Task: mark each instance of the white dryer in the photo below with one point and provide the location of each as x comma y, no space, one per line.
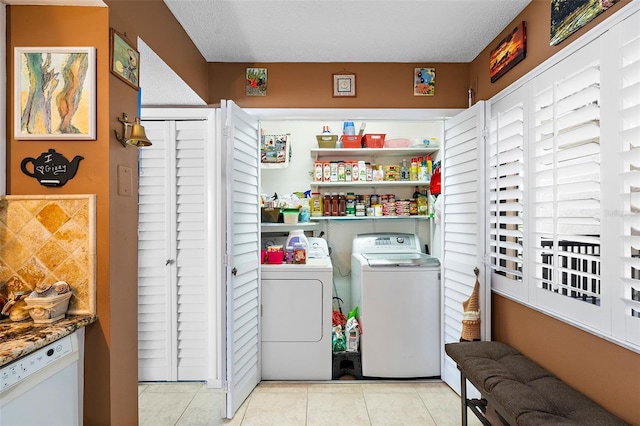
296,319
397,290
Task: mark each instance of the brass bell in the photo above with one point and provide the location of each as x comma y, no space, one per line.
137,138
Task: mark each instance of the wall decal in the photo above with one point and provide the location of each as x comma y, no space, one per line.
51,168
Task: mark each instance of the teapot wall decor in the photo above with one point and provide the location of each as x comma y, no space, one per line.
51,168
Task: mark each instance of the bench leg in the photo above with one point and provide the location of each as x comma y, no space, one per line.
477,406
463,398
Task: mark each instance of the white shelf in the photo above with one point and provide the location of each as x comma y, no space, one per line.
414,217
286,227
379,183
371,152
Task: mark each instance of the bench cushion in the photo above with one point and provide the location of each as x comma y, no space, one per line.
525,391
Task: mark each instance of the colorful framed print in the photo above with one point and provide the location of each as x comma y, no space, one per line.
124,59
424,81
256,82
510,51
344,85
568,16
55,93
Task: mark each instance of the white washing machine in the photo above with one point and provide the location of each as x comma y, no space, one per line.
397,290
296,318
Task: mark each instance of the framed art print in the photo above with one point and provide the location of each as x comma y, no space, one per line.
124,59
55,93
344,85
256,84
510,51
424,81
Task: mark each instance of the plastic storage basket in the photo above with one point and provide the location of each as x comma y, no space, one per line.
374,140
48,309
327,141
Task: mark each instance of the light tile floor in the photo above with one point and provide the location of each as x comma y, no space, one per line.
351,403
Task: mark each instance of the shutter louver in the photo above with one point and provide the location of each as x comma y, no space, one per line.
630,135
566,184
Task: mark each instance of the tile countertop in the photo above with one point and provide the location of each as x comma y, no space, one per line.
18,339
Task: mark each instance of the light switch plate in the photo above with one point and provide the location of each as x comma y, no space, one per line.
125,181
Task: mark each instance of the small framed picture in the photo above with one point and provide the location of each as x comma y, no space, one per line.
256,84
344,85
124,59
424,81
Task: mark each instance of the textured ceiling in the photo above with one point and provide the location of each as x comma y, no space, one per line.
345,30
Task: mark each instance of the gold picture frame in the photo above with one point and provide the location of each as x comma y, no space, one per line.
124,59
344,85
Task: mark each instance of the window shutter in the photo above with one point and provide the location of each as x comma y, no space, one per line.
565,177
630,160
505,186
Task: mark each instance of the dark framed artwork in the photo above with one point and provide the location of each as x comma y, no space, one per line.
344,85
568,16
124,59
510,51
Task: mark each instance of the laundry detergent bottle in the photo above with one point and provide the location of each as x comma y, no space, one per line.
297,236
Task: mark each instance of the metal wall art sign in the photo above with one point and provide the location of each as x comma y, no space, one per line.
51,168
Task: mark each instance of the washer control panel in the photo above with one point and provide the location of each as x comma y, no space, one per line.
24,367
386,243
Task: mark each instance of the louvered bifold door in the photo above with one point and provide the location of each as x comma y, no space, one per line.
565,185
190,252
172,299
505,186
629,163
242,275
156,283
463,226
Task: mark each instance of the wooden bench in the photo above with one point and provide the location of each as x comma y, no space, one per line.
520,391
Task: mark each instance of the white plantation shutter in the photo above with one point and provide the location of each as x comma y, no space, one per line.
565,184
629,93
172,301
506,193
462,226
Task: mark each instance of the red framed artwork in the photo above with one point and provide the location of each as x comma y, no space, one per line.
509,52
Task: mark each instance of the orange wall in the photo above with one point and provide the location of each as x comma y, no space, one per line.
606,372
111,343
154,23
310,85
537,16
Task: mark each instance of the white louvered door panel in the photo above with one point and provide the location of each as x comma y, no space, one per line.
156,308
242,217
173,296
190,250
628,324
505,180
463,227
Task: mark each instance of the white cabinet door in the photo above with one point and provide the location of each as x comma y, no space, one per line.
172,271
241,186
463,224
